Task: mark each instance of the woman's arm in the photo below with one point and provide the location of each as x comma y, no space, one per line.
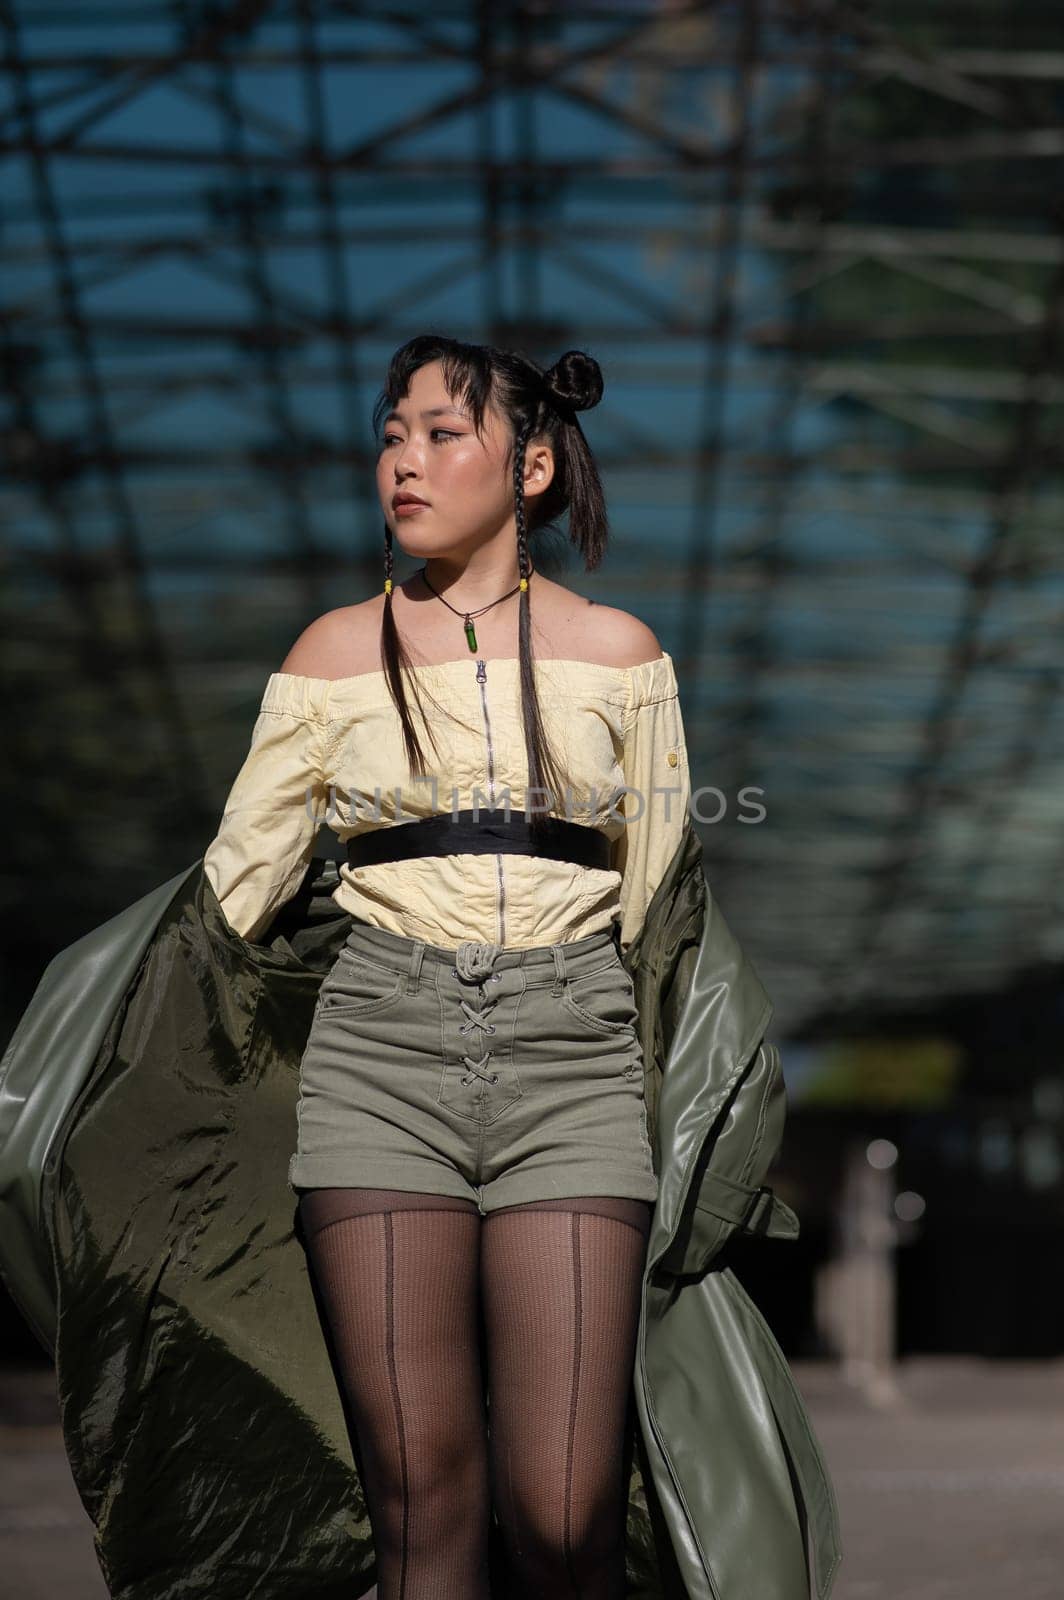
658,784
275,808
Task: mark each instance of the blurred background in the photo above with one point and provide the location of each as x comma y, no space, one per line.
818,250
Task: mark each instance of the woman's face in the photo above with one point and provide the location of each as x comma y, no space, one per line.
429,448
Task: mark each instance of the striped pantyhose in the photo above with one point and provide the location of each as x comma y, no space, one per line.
406,1282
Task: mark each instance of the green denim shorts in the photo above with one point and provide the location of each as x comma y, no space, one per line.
495,1075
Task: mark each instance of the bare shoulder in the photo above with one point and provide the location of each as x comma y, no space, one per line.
625,640
339,643
605,634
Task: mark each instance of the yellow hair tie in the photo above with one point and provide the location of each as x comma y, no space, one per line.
524,584
387,585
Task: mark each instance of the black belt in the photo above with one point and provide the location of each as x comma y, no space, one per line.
459,833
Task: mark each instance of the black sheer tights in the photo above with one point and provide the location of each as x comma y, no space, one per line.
402,1277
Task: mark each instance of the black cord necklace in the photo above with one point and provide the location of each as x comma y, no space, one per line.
467,616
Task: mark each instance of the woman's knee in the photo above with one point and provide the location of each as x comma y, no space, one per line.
567,1536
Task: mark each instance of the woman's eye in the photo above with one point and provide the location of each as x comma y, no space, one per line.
447,433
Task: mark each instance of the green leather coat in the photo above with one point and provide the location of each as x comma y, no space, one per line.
147,1232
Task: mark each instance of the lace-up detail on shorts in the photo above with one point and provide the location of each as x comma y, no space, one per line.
474,965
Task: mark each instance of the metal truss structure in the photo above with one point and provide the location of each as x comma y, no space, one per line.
818,251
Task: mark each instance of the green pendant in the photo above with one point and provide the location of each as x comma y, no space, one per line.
470,633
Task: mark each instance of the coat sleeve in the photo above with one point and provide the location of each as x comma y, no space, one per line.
657,794
275,808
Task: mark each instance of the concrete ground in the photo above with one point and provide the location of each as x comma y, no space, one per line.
950,1484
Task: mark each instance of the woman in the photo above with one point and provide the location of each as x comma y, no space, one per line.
471,1120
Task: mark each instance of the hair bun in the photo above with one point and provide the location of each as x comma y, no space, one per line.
574,383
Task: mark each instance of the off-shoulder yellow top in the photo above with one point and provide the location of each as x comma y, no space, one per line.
330,751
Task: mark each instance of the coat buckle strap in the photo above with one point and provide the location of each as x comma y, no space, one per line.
758,1215
757,1211
767,1215
724,1206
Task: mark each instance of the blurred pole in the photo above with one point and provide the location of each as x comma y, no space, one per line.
856,1297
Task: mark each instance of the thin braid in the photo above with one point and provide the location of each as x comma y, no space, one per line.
519,510
535,740
394,656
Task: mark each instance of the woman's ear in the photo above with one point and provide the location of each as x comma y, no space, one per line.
539,468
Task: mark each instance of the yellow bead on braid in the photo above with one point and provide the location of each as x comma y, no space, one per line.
387,585
524,584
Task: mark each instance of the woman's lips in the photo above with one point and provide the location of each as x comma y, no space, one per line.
406,508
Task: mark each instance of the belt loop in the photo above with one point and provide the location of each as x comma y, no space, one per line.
558,985
413,976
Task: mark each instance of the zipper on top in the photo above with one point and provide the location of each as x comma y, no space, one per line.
482,680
